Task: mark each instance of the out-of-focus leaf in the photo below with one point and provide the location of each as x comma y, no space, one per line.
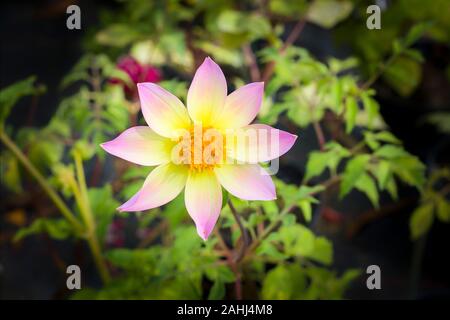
351,109
217,291
403,75
10,172
443,209
103,206
328,13
11,94
58,229
421,220
284,282
117,35
353,171
366,184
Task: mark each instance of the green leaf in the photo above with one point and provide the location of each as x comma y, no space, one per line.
221,273
391,187
284,282
305,206
328,13
58,229
410,170
421,220
323,251
366,184
382,173
391,152
317,163
268,249
103,206
386,136
217,291
353,171
441,120
117,35
351,109
10,95
10,172
416,32
414,54
442,209
403,75
371,107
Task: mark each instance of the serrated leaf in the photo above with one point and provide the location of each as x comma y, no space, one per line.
354,169
366,184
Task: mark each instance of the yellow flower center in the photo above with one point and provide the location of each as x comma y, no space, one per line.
200,148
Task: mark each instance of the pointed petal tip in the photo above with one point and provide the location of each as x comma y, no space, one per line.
204,234
106,145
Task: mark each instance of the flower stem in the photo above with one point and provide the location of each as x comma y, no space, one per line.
80,190
59,203
235,262
245,239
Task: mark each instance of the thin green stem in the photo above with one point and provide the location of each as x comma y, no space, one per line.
59,203
80,190
90,221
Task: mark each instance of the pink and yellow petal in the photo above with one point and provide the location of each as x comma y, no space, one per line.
162,185
140,145
203,199
163,111
258,143
207,93
246,181
241,106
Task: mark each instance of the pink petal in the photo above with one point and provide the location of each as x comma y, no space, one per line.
203,199
246,181
207,93
140,145
242,106
162,185
163,112
259,143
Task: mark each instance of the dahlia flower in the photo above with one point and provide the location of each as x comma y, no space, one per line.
202,148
